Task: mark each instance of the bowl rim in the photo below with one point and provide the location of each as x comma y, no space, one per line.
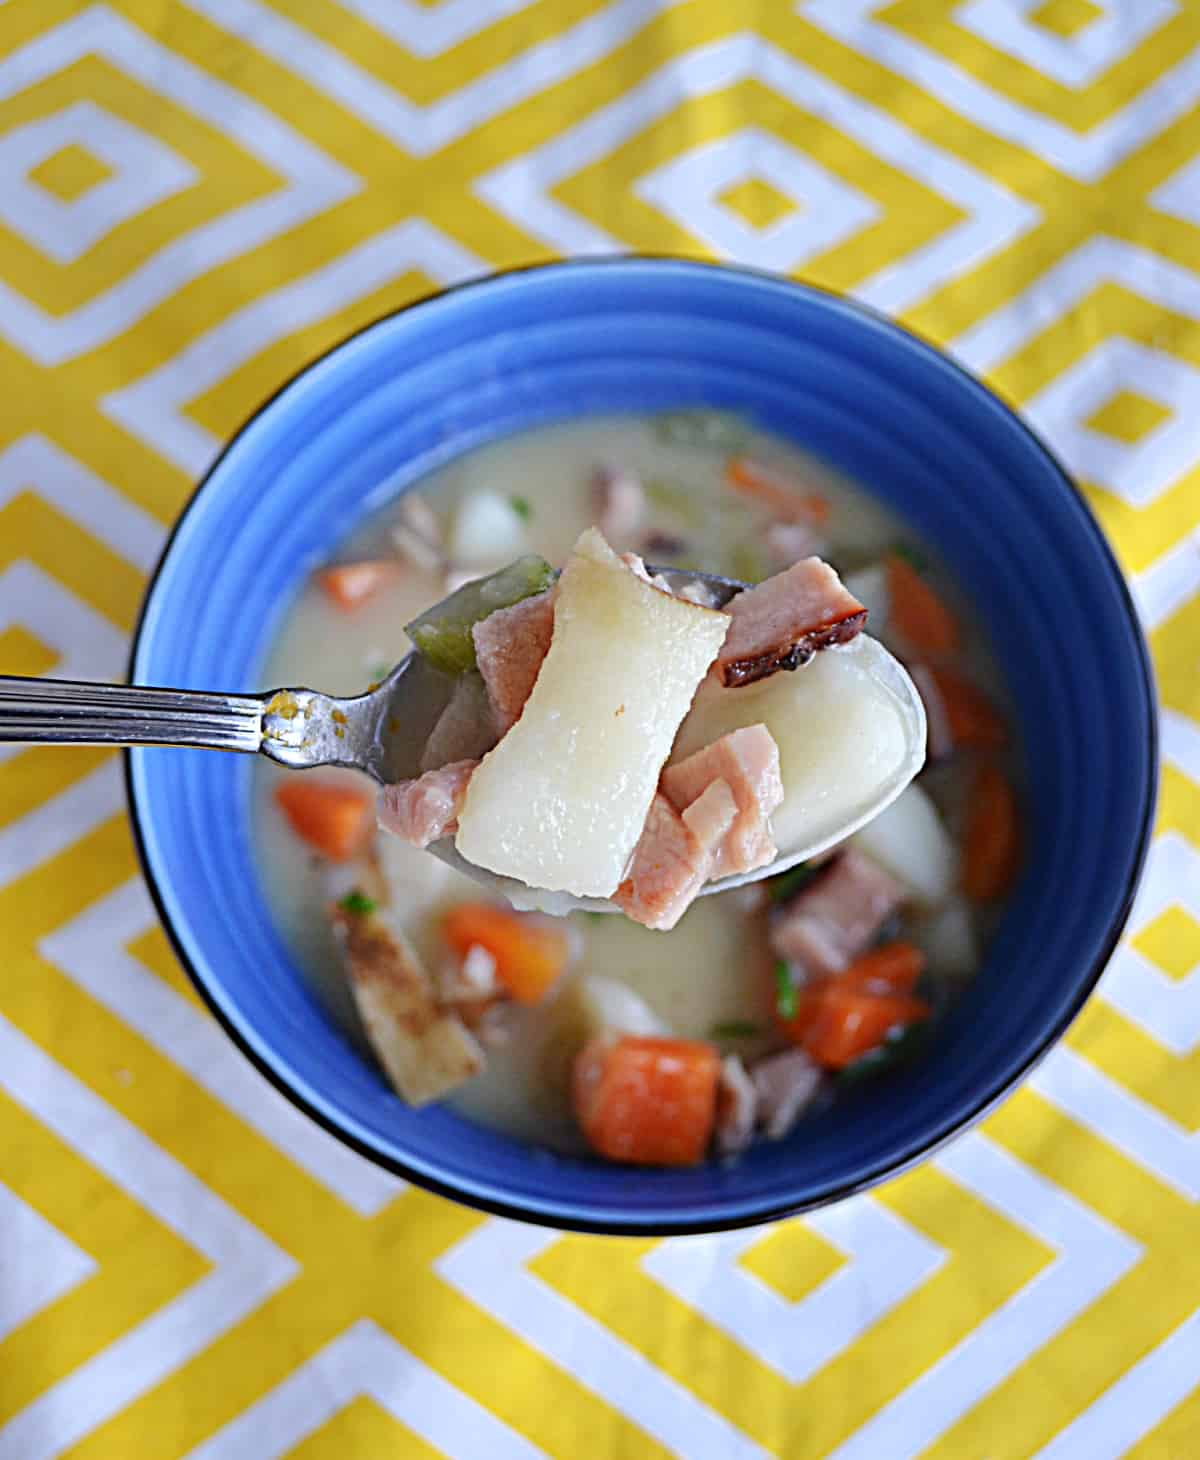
993,1096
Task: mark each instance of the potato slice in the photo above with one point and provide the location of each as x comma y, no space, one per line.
850,731
560,803
424,1052
910,841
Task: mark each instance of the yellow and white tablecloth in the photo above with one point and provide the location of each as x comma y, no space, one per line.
196,196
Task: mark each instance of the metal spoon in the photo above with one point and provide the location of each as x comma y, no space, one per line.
380,733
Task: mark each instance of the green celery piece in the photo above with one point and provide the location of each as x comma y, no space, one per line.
443,633
914,557
358,904
785,990
708,430
736,1029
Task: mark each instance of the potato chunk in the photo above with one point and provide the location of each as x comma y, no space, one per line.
561,801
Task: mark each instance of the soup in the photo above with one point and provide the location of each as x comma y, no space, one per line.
764,1001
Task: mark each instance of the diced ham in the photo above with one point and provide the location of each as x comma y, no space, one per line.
510,645
466,728
618,503
834,918
424,1050
737,1107
782,622
711,815
747,760
668,868
785,1085
425,810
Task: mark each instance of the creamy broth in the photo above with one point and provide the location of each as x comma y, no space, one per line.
714,970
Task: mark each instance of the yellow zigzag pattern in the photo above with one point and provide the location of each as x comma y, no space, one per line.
194,199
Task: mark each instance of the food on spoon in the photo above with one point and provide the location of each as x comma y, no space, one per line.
674,857
782,622
651,1102
833,919
443,633
425,1051
466,729
846,732
746,762
427,809
332,817
510,645
561,801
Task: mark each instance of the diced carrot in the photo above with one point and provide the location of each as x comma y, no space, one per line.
651,1102
331,816
971,717
780,493
892,969
529,954
837,1023
352,584
992,842
918,613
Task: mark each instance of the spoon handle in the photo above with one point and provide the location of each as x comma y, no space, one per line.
71,712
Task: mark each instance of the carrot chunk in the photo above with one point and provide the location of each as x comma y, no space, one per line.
971,717
916,610
892,969
352,584
650,1102
332,817
836,1023
992,842
782,494
529,955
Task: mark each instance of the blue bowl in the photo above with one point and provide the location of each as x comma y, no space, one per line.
521,350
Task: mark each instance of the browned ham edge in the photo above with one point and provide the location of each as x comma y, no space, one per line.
425,810
782,622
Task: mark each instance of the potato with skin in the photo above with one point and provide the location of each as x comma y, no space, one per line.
561,801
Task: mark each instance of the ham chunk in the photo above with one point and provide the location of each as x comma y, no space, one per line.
466,728
747,760
781,623
828,923
425,810
618,503
667,870
510,645
737,1107
785,1085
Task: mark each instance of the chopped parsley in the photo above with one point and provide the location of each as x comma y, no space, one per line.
788,883
521,506
736,1029
785,991
914,557
358,904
